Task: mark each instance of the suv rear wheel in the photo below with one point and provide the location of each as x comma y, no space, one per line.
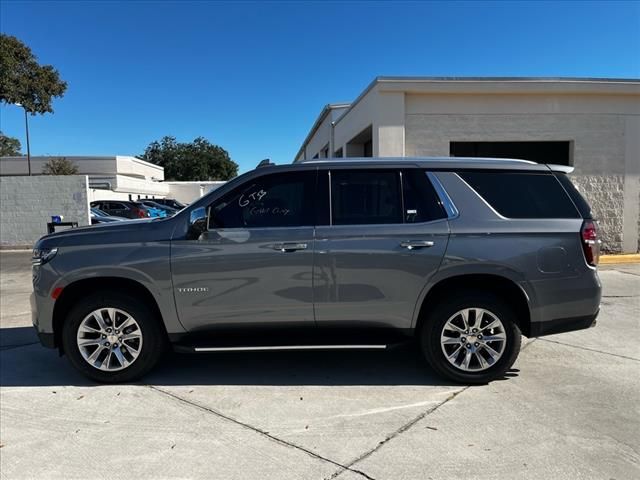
471,338
112,337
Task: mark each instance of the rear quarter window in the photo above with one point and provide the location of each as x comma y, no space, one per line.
522,195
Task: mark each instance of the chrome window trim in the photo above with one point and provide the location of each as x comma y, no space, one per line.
449,207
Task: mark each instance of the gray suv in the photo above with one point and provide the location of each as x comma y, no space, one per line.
461,255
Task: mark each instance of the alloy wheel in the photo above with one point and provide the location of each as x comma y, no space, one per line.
109,339
473,339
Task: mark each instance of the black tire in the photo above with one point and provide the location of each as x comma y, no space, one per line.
153,335
436,319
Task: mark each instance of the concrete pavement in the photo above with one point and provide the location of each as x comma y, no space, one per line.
569,409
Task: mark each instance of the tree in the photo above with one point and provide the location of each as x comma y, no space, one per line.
24,81
198,160
9,146
60,166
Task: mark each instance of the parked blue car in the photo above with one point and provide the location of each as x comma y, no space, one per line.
152,204
153,212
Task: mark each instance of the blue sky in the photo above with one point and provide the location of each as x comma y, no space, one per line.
252,77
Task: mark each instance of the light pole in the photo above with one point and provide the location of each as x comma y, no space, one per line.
26,126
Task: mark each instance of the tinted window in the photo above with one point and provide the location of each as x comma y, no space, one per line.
522,195
421,203
365,197
275,200
578,199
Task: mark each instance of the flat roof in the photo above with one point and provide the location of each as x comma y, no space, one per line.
486,85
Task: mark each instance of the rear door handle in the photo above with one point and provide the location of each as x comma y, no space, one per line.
289,247
413,244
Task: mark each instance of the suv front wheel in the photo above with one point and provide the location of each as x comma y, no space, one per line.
471,338
112,337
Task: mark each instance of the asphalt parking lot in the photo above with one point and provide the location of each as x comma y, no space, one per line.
570,409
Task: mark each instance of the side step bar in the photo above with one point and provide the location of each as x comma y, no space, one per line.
257,348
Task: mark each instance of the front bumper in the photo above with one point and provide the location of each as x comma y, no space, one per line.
561,325
46,339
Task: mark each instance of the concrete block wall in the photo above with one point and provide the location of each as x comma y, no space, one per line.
605,194
27,204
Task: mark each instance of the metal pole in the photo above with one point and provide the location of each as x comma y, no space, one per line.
26,125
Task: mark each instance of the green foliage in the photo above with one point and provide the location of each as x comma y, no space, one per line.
60,166
199,160
24,81
9,146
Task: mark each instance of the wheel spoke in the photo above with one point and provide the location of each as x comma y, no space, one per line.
454,328
133,348
121,358
465,318
97,315
467,360
112,316
481,359
455,353
450,341
90,341
494,354
94,356
87,329
131,336
491,325
126,323
107,360
495,337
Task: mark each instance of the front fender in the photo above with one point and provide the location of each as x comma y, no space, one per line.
147,264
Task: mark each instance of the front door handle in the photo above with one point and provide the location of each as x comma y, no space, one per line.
289,247
413,244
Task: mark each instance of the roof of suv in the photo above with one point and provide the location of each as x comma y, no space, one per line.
456,163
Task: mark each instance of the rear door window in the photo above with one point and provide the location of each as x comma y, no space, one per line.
365,197
421,203
522,195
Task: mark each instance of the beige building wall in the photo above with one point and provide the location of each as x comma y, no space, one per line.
600,119
603,132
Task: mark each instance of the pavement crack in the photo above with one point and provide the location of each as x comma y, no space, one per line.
258,430
629,273
398,432
590,349
620,296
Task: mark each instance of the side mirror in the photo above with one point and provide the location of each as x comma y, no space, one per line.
197,223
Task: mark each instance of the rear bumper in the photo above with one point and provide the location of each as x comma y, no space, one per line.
561,325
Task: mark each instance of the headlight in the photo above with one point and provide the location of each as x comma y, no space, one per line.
43,255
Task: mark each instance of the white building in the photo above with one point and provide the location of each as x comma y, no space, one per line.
116,177
591,124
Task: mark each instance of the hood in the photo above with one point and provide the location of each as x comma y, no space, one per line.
130,231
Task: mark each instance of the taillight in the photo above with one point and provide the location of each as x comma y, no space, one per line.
590,242
141,213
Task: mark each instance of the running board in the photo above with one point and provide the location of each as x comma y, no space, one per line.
257,348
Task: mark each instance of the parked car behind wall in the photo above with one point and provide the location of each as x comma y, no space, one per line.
122,208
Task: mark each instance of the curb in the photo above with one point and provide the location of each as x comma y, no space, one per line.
621,258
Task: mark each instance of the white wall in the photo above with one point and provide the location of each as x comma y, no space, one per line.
28,203
113,165
188,192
